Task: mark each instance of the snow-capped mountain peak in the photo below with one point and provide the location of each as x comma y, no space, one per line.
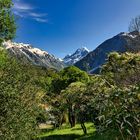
34,55
83,49
11,45
71,59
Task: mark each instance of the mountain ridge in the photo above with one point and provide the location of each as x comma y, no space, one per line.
36,56
120,43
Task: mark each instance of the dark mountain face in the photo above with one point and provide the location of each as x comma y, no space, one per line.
120,43
78,55
26,53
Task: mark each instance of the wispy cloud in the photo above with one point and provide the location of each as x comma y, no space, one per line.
22,6
41,20
18,13
28,11
38,14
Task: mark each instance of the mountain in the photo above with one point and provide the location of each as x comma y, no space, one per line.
80,53
120,43
26,52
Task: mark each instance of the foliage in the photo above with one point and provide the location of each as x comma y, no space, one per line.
122,69
78,99
125,113
71,95
110,100
119,108
72,74
7,21
55,97
67,76
19,100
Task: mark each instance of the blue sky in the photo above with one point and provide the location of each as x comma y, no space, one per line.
62,26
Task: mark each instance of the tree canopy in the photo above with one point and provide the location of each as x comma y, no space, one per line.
19,100
7,21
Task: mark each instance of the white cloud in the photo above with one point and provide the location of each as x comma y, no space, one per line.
22,6
25,10
18,14
41,20
38,14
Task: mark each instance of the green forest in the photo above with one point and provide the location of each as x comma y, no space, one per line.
38,103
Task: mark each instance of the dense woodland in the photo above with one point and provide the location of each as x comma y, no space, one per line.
109,100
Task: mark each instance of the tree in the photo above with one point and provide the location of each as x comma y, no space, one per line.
73,97
19,100
135,24
67,76
98,89
7,21
124,113
78,99
122,69
120,107
64,78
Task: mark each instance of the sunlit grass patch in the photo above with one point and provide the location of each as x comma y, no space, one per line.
67,133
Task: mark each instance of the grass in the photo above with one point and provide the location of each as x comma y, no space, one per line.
76,133
67,133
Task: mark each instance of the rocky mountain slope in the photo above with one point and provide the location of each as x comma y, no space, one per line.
38,57
71,59
121,43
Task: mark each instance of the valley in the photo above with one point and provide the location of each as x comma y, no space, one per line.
90,94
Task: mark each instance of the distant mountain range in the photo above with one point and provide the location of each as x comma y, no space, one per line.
80,53
25,52
120,43
81,58
36,56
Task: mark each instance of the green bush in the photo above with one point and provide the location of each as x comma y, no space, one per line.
19,100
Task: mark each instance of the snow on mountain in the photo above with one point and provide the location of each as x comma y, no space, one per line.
71,59
133,34
34,55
